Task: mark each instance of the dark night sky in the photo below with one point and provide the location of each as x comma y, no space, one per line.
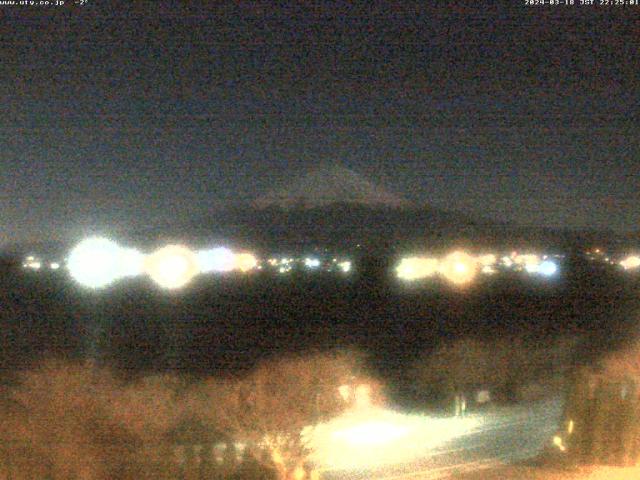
120,114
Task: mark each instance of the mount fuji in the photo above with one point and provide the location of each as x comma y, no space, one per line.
326,186
335,206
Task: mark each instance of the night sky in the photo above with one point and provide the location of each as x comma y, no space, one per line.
125,115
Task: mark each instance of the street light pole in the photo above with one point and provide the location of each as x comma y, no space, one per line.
174,330
95,340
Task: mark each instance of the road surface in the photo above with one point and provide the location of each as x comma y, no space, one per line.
499,436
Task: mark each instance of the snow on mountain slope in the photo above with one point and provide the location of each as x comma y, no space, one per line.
324,186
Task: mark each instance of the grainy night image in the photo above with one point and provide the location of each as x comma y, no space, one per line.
319,240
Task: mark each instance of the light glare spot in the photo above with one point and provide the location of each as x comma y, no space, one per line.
172,266
218,259
371,433
373,437
245,262
416,268
488,270
631,262
557,441
345,266
487,260
94,262
311,262
459,268
547,268
131,262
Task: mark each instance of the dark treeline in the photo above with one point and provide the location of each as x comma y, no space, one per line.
221,325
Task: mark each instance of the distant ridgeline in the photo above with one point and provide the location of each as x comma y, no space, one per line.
335,207
417,228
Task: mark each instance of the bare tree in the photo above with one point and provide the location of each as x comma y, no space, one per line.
68,420
454,366
269,407
64,420
503,365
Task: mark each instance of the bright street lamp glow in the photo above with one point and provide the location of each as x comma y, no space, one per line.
371,433
345,266
416,268
488,270
311,262
487,260
507,262
547,268
532,268
372,437
245,262
219,259
172,266
459,268
527,259
95,262
631,262
131,262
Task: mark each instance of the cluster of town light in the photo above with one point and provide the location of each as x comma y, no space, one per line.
288,264
627,262
631,262
34,263
458,267
461,268
98,262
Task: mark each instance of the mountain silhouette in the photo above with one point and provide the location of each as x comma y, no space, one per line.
327,185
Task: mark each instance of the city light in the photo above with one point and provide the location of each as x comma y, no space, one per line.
487,260
530,262
416,268
131,262
311,262
345,266
547,268
172,266
219,259
245,262
32,262
459,268
507,261
532,267
631,262
488,270
557,441
95,262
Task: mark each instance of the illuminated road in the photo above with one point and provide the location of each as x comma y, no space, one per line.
501,436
